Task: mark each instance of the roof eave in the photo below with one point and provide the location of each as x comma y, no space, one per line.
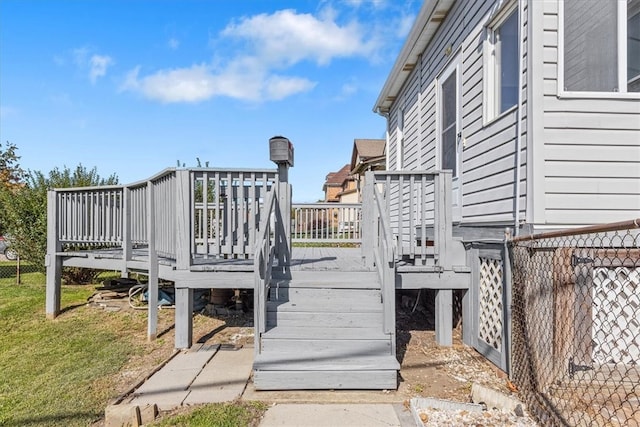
431,15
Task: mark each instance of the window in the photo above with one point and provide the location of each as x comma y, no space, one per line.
633,46
601,45
503,77
449,124
400,140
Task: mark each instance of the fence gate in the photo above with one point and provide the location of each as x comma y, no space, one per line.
488,297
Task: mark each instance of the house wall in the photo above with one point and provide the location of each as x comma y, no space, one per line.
587,154
331,194
489,155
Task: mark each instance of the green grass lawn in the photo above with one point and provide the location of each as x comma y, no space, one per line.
49,370
63,372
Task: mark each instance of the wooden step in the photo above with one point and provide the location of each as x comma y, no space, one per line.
323,348
324,295
333,306
303,361
326,380
302,332
327,320
328,279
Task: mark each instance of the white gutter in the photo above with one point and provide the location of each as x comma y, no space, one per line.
431,15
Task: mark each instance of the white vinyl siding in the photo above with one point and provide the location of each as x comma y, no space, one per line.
590,158
488,166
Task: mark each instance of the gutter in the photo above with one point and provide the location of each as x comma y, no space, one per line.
428,20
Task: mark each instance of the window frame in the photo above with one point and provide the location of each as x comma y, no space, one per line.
621,32
491,77
400,139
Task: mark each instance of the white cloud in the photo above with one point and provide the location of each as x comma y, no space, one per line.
271,43
173,43
98,65
199,83
286,37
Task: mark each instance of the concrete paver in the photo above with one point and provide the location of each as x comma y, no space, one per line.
331,415
223,379
169,387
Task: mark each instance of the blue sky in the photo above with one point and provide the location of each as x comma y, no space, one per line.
133,87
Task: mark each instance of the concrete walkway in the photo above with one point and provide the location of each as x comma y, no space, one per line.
206,374
212,374
337,414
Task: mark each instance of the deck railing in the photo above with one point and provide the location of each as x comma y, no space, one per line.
263,263
326,222
91,216
226,212
197,212
384,256
418,205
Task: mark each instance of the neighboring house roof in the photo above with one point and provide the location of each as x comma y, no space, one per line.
365,152
431,15
337,179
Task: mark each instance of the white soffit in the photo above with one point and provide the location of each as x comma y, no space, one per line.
431,15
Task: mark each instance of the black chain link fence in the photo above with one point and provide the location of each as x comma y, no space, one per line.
18,272
576,325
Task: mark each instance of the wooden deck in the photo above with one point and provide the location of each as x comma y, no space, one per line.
337,259
334,307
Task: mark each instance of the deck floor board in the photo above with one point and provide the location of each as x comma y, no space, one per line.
303,259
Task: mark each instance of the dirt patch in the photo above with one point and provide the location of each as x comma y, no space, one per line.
430,370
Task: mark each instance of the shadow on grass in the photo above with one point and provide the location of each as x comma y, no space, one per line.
71,307
77,418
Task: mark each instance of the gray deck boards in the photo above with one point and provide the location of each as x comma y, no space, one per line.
330,362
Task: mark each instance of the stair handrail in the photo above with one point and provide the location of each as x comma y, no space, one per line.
385,255
264,253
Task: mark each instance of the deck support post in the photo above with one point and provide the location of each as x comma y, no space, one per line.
444,317
127,247
184,318
53,262
152,289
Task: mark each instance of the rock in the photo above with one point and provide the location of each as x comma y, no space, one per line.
122,416
518,410
493,398
148,413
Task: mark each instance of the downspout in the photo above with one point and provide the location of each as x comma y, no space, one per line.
516,208
386,137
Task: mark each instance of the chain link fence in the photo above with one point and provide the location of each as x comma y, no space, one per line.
576,325
18,272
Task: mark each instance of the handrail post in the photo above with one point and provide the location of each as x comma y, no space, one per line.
53,262
368,219
152,289
283,216
184,228
281,153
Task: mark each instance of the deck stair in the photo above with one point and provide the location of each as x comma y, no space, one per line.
324,330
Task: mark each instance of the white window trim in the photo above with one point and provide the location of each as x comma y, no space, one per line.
400,138
454,65
622,64
490,102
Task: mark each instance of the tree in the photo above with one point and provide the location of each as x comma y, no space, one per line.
11,175
25,207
